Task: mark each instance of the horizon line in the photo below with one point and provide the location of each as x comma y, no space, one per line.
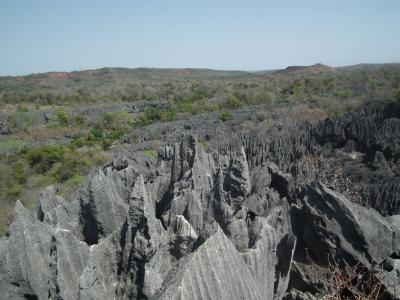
193,68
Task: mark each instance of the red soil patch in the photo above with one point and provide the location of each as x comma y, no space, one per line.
58,75
182,72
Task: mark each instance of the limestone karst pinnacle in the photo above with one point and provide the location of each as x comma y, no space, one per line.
236,222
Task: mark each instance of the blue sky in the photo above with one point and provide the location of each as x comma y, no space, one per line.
49,35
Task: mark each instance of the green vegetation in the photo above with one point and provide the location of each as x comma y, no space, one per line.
63,118
19,172
29,169
182,87
71,185
225,116
22,121
35,155
43,158
10,147
14,191
397,96
150,153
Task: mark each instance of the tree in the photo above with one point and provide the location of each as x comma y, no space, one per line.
397,96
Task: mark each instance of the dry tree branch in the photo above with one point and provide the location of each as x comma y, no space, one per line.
354,283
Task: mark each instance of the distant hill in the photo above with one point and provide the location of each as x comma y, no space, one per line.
137,73
313,69
122,84
367,67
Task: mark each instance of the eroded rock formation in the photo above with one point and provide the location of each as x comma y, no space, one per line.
258,216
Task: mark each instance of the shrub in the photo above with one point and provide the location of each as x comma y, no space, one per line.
43,158
120,120
225,116
168,116
22,120
19,172
62,117
14,191
261,97
96,134
78,142
397,96
73,163
22,108
151,115
233,103
10,147
79,120
111,137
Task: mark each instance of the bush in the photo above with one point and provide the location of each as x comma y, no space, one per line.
150,116
397,96
111,137
225,116
78,142
19,172
14,191
261,97
120,120
22,108
79,120
43,158
233,103
22,120
73,163
11,147
62,117
96,134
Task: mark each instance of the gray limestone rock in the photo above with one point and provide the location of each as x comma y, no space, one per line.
230,223
191,182
120,162
105,202
39,260
215,270
357,234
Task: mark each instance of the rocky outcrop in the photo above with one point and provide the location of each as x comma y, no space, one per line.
105,202
39,260
205,275
358,234
116,266
255,217
191,181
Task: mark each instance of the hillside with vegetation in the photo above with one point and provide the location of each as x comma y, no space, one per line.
201,184
56,127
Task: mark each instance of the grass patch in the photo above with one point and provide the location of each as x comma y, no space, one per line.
225,116
150,153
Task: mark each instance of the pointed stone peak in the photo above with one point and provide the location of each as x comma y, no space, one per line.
21,211
237,181
140,206
139,189
48,202
205,275
189,154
